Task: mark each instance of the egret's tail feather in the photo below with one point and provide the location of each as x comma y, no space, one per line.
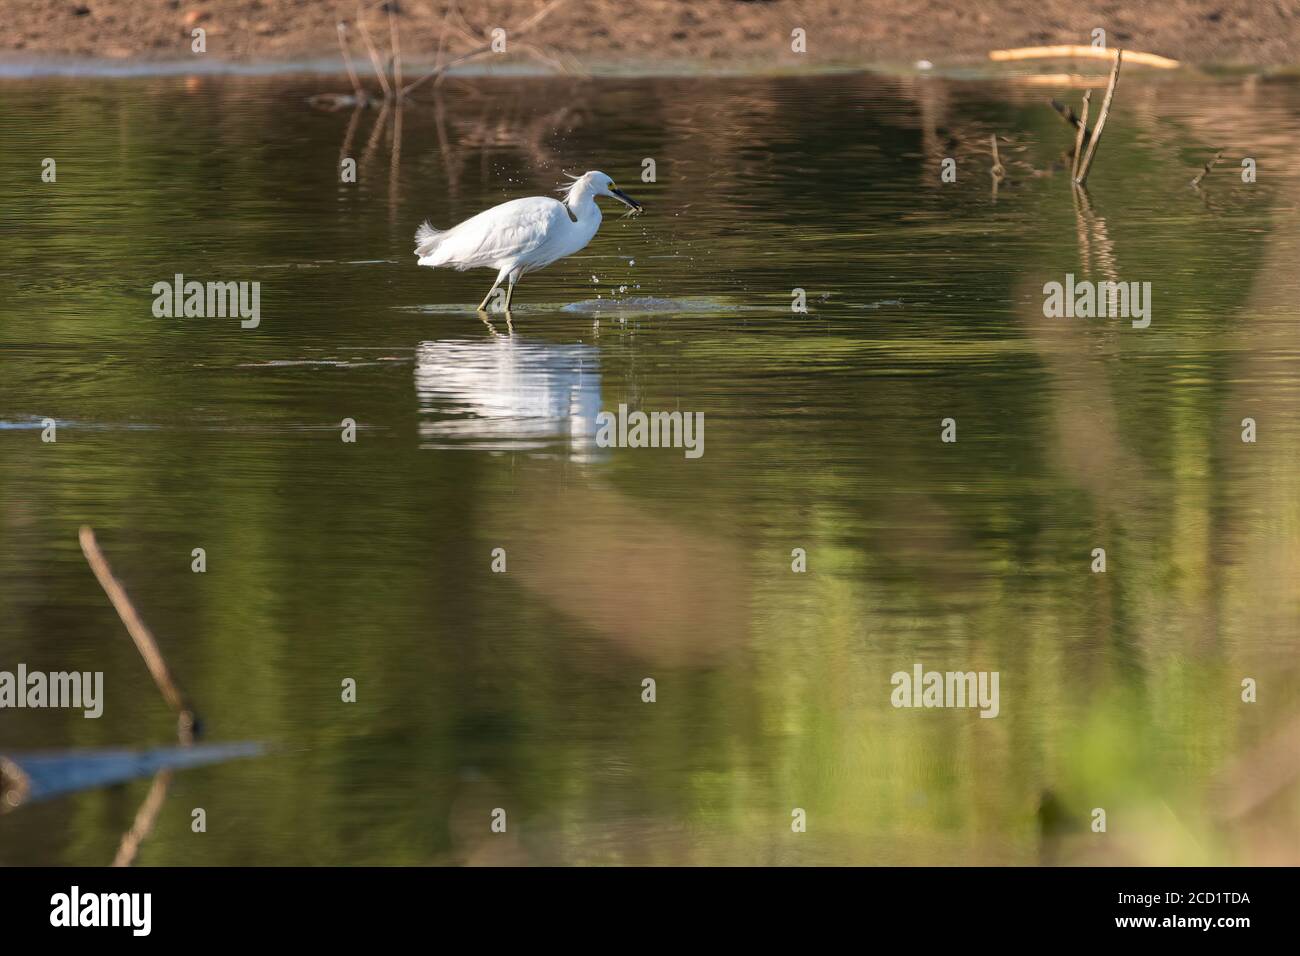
427,239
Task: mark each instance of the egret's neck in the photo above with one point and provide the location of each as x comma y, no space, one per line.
584,208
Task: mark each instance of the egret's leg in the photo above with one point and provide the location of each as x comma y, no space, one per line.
482,306
510,289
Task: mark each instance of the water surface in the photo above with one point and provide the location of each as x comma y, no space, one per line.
522,690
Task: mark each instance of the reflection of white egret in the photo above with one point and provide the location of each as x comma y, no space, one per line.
522,235
508,394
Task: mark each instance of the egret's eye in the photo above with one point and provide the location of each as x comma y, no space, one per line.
611,185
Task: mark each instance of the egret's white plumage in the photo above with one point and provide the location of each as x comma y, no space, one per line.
522,235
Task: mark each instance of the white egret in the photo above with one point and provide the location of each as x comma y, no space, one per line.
522,235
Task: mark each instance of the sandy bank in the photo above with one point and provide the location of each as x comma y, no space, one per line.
640,35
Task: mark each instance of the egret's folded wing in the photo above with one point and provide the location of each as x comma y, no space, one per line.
508,231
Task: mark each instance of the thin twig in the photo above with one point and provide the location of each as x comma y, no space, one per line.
541,55
1078,137
1081,231
1208,166
140,633
394,38
442,68
442,42
1086,166
1066,112
1070,118
145,818
1105,257
376,134
444,144
357,88
998,171
460,25
538,17
351,133
395,160
377,63
479,51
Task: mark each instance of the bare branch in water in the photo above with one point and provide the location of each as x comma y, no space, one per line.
394,36
998,171
1080,134
1086,166
375,61
541,14
140,633
357,89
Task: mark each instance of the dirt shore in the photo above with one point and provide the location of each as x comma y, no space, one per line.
608,35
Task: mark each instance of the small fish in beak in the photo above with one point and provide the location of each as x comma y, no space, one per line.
626,200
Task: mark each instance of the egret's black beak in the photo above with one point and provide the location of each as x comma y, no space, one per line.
626,200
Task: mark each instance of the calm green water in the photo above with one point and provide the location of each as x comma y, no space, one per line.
477,690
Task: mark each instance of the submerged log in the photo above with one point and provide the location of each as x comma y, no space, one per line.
1077,51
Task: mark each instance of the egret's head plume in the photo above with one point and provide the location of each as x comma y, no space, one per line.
575,187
